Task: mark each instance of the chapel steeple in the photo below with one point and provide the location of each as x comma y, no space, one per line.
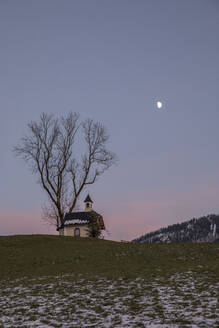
88,204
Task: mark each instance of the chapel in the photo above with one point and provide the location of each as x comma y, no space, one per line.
76,224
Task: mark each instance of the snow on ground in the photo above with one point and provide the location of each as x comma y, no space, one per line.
181,300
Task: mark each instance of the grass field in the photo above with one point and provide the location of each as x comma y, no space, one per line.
49,281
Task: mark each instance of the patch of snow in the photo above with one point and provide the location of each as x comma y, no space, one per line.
110,303
76,221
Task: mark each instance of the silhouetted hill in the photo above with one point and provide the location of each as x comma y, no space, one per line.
204,229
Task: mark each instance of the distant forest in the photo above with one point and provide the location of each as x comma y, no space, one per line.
203,229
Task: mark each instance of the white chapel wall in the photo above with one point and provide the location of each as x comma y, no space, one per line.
70,230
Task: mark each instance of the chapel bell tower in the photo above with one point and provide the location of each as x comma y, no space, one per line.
88,204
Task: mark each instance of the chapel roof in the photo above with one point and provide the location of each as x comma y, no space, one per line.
88,199
81,218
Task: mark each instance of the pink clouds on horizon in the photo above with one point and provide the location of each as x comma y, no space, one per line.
125,220
137,219
125,226
17,222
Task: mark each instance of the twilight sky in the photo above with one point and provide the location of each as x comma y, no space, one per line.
111,61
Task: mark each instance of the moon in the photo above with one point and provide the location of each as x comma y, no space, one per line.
159,105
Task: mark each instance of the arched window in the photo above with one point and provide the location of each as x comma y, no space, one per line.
88,205
77,232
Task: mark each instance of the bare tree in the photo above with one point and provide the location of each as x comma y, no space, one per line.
48,149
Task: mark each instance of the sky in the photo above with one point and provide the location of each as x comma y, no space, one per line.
111,61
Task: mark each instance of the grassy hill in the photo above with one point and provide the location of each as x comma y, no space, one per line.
42,255
63,282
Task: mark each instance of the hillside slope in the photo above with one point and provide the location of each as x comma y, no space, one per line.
51,281
204,229
39,256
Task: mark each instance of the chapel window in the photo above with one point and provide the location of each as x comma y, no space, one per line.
77,232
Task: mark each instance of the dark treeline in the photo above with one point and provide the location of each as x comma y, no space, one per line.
203,229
